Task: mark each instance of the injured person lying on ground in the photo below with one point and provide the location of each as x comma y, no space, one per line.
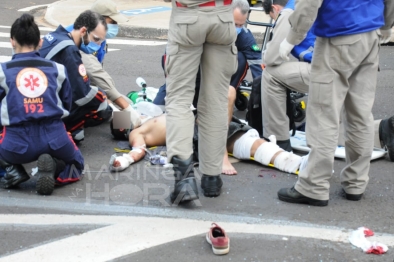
243,142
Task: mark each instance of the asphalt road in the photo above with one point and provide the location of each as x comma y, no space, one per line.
142,191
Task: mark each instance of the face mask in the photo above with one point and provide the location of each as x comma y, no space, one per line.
238,29
89,48
13,51
112,30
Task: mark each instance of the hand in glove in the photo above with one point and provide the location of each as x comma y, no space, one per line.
285,49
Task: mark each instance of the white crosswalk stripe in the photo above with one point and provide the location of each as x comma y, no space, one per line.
5,41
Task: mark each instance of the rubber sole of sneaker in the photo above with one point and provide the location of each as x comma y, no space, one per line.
308,201
218,250
46,170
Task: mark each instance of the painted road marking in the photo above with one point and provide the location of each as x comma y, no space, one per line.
124,235
4,58
41,28
113,41
27,9
145,11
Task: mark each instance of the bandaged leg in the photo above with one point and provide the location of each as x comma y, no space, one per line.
265,152
244,144
134,116
124,162
288,162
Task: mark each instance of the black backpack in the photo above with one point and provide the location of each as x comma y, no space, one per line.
254,116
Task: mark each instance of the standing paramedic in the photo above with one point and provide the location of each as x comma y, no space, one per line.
343,75
201,34
35,95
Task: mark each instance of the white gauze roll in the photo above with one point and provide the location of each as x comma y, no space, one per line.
244,144
288,162
265,152
124,161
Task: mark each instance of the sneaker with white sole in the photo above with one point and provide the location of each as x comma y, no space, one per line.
219,240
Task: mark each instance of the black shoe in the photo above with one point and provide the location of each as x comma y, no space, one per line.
386,134
185,188
211,185
293,196
46,174
285,145
15,175
353,197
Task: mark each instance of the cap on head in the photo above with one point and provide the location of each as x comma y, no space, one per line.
108,8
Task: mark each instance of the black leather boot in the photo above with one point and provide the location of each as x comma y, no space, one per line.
185,188
46,174
15,174
386,135
211,185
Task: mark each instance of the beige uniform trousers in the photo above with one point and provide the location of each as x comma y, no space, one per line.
344,74
199,36
276,79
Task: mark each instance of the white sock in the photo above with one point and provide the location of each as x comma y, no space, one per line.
135,117
124,161
288,162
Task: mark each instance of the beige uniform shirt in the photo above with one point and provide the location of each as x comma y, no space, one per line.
279,33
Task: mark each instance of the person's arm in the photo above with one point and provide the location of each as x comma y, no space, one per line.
137,142
99,77
83,93
252,53
302,19
388,14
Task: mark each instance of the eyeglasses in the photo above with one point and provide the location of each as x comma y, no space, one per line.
96,39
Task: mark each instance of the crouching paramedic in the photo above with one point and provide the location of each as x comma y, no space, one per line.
90,106
35,95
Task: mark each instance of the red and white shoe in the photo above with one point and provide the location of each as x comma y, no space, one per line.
219,240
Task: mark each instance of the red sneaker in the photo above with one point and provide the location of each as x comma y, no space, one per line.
219,240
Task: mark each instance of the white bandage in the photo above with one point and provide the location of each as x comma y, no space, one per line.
265,152
134,116
304,162
288,162
244,144
124,161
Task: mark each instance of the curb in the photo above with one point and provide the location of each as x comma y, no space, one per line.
160,34
48,14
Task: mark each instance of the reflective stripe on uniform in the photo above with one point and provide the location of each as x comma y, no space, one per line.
84,100
255,62
59,47
59,80
5,119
